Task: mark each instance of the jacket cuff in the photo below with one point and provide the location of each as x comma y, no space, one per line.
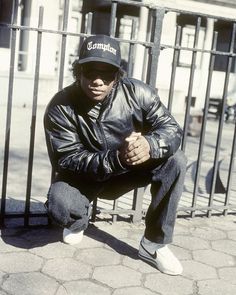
117,167
155,152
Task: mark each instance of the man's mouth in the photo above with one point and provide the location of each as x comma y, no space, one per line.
96,91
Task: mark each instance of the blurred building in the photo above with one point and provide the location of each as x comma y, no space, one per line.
131,21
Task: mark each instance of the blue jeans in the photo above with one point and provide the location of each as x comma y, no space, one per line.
69,197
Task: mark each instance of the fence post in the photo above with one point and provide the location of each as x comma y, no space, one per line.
137,204
9,111
158,16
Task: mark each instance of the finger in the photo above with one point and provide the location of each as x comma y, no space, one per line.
138,156
135,149
137,160
133,136
132,153
134,145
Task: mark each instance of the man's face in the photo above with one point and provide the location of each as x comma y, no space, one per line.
97,80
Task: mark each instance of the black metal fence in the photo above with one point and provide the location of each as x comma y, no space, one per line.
206,194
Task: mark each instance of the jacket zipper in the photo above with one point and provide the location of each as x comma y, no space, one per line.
101,131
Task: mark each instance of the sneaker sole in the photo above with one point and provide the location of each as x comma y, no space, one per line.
153,262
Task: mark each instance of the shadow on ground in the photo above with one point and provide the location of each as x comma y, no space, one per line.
39,236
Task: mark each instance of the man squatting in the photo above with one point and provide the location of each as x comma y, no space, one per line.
108,134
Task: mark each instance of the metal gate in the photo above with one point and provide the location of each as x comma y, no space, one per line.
209,187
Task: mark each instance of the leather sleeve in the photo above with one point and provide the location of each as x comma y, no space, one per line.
67,153
160,128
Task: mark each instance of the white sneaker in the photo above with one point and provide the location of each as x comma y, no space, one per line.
163,259
72,237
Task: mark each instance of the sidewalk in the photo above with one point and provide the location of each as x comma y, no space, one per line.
35,261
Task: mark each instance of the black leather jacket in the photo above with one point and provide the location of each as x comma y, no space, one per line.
84,142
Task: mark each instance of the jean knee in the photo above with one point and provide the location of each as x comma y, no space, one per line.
56,204
67,206
179,161
57,193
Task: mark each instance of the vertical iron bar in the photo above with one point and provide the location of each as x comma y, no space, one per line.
138,204
190,86
33,119
63,43
9,110
94,210
221,122
89,23
156,48
174,66
131,49
115,207
231,167
113,18
204,121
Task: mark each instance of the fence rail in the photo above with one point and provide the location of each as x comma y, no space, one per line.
195,199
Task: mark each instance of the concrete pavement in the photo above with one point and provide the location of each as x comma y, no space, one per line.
35,261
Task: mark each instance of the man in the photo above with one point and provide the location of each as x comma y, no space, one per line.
107,135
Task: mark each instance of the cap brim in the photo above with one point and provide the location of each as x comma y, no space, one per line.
91,59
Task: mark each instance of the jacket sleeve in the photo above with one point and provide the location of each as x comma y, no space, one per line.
67,152
162,131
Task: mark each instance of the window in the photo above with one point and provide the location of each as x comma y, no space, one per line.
76,5
223,44
187,40
188,24
5,17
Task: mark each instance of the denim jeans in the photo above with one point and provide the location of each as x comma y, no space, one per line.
69,197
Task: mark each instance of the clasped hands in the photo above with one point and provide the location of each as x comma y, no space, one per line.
135,150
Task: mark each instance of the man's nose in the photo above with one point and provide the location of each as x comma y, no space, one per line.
98,80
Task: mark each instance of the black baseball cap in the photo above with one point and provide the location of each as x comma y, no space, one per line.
100,48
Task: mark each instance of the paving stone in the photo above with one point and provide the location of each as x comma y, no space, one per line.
216,287
131,242
89,242
182,254
208,233
12,244
134,291
123,247
228,274
117,231
62,291
54,250
169,285
190,243
181,229
6,232
137,228
117,276
34,283
138,264
83,287
232,235
213,258
194,222
98,257
43,236
124,274
198,271
1,276
136,236
67,269
225,246
224,223
185,222
20,262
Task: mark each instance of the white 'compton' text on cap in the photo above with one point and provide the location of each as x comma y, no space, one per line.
101,46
